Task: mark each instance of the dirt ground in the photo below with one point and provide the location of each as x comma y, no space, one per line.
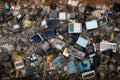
102,2
91,2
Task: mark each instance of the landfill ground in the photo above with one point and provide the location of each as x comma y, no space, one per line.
59,39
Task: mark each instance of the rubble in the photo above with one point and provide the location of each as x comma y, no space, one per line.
64,40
